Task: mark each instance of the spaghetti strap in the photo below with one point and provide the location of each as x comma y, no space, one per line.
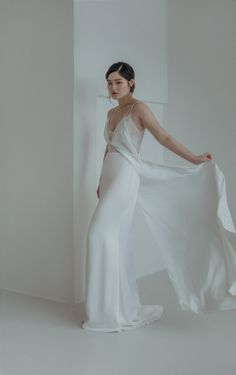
130,110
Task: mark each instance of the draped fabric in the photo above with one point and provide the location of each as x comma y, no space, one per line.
187,212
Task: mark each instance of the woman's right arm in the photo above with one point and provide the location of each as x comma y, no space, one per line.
106,150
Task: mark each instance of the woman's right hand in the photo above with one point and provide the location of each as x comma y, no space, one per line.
203,158
98,191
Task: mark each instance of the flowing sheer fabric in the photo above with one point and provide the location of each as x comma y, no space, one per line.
187,212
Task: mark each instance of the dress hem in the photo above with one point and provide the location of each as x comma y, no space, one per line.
148,314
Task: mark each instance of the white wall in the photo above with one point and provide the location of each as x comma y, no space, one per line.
107,32
36,147
201,109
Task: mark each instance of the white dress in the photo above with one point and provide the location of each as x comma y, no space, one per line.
187,212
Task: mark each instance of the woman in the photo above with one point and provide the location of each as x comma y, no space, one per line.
186,210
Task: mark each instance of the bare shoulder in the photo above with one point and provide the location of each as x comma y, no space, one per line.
140,108
146,117
142,112
137,110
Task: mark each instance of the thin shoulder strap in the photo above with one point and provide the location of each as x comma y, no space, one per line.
129,112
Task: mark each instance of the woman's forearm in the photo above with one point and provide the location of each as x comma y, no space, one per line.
178,148
106,150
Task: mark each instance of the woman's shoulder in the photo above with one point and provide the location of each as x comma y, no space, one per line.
140,104
140,107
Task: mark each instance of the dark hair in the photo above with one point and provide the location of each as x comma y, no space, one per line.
124,69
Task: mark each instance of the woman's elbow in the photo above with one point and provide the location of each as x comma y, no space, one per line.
164,139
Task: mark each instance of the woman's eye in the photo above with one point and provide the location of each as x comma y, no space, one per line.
109,83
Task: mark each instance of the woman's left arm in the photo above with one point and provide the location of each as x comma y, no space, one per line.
149,121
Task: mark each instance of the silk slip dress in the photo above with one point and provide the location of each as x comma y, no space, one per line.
187,212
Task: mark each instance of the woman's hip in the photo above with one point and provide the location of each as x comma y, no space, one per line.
118,176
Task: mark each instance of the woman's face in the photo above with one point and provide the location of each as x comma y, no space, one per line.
118,86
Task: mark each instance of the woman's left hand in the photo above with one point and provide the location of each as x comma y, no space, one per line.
203,157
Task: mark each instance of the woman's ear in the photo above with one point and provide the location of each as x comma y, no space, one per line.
131,82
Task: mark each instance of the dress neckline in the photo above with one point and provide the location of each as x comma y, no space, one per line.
122,118
108,123
125,115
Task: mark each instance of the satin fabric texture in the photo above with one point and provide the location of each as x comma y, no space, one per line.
187,212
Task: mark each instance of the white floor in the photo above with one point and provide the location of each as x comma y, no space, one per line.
40,337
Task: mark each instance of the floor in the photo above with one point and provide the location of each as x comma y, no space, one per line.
40,337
